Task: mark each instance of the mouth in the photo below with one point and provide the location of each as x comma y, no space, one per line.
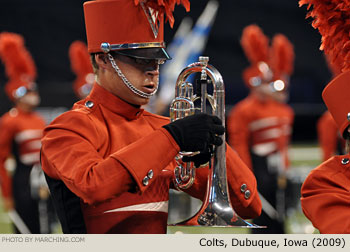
149,88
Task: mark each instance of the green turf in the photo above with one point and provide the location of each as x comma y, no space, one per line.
5,224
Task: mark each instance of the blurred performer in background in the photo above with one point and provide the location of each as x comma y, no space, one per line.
109,163
330,140
81,66
259,127
325,192
20,134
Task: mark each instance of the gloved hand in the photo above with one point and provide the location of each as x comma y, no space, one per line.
196,132
201,158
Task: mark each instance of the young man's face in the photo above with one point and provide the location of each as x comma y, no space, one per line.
266,91
144,75
30,100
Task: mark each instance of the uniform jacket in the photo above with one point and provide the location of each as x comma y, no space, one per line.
326,196
328,135
20,134
260,127
119,161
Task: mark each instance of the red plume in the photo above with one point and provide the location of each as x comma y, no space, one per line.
332,19
282,56
165,6
80,58
81,65
255,44
18,61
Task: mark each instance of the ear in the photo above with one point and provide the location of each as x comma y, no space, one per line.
101,60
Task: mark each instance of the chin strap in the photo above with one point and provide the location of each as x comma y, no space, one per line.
127,82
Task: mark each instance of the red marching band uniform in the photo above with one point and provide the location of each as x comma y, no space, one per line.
260,126
20,130
264,128
325,192
112,162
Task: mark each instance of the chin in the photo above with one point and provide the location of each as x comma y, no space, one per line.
144,101
140,101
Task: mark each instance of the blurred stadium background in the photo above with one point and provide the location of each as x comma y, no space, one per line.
49,27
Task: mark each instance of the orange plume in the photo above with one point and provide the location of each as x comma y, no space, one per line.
81,66
165,6
80,58
18,62
282,56
255,44
332,19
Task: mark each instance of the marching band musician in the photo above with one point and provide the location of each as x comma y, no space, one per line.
20,133
325,192
109,163
259,126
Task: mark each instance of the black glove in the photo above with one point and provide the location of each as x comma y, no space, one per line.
201,158
196,132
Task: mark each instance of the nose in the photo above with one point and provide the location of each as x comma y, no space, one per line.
153,70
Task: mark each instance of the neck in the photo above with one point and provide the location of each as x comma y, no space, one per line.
104,87
24,107
261,97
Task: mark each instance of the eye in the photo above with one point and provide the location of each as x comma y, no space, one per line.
143,62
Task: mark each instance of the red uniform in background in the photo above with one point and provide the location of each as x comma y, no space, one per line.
259,127
20,134
20,131
260,132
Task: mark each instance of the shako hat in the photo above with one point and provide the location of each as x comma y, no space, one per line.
130,27
336,97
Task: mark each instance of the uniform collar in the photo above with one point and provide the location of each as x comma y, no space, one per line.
101,96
